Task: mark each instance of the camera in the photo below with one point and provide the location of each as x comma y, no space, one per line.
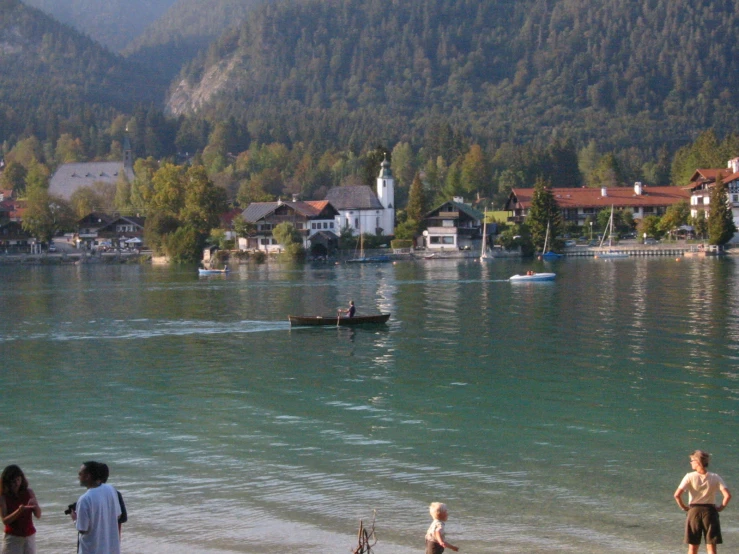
71,508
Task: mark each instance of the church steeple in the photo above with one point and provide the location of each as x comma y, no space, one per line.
386,196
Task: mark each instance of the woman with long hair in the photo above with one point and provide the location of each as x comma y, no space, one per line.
17,505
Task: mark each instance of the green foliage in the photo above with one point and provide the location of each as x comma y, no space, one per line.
675,216
401,243
407,230
517,236
46,215
50,74
14,178
721,226
623,220
700,224
511,70
184,245
649,226
544,212
242,227
291,240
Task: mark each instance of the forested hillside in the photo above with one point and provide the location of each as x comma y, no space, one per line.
187,27
113,23
643,73
52,76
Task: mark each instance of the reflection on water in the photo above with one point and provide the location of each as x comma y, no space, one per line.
540,414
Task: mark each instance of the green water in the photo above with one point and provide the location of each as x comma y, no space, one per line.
550,417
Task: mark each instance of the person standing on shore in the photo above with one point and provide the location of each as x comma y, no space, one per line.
97,512
702,487
435,538
17,506
123,518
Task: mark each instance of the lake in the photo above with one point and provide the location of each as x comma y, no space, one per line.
550,417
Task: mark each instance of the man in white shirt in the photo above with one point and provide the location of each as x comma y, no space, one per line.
97,513
702,487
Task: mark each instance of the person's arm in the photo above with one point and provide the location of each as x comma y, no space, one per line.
444,544
12,516
679,499
727,497
33,504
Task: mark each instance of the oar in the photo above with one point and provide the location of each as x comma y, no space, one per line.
338,316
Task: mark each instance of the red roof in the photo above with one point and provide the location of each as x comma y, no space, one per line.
619,197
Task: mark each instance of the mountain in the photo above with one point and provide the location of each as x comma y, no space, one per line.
625,73
113,23
187,27
49,71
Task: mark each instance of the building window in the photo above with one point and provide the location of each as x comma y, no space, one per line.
331,225
648,210
356,223
735,198
587,211
447,223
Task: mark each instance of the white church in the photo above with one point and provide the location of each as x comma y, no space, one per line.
366,211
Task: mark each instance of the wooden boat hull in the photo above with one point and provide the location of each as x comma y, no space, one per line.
534,277
299,320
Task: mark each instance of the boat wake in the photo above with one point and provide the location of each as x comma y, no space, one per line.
139,329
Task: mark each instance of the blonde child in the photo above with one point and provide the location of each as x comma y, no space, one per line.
435,539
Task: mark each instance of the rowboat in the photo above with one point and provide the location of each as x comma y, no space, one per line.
202,271
298,320
534,277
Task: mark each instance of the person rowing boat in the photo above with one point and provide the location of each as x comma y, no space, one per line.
350,311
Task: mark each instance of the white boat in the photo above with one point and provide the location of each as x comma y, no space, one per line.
533,277
208,271
609,232
484,254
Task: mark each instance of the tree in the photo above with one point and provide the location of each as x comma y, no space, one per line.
243,228
543,212
14,178
290,239
675,216
649,226
417,206
721,226
475,176
203,202
700,224
45,215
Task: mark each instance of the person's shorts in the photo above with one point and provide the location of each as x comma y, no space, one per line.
19,545
702,521
433,547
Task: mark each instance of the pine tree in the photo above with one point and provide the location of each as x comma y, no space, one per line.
544,212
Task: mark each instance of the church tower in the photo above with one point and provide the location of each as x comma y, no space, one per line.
386,196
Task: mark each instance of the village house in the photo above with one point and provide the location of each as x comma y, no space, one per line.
315,220
702,183
366,211
452,226
101,231
579,205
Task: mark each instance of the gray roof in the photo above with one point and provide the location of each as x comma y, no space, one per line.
354,198
258,210
70,177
